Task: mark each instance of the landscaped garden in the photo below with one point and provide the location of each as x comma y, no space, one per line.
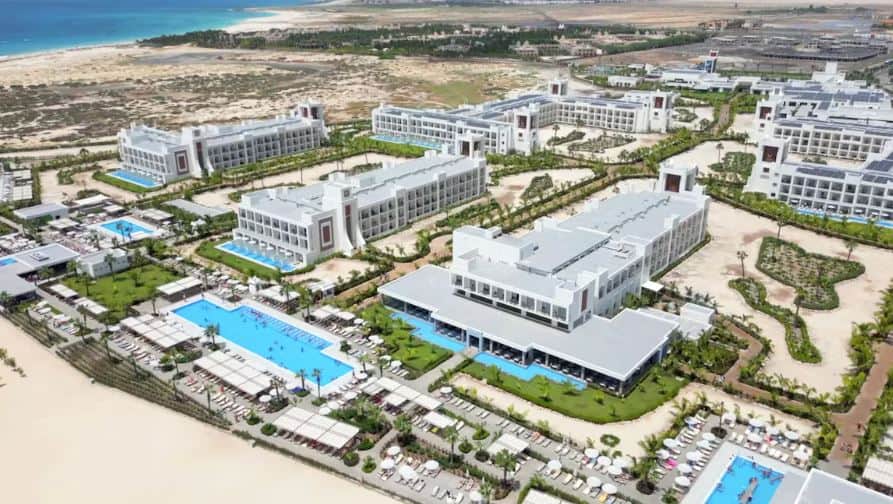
812,275
739,163
401,344
796,334
120,290
591,403
599,144
539,185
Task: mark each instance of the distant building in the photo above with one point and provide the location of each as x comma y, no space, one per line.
624,81
165,156
304,224
43,211
513,124
103,263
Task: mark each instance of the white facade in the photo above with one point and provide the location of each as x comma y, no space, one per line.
341,214
512,125
102,263
166,156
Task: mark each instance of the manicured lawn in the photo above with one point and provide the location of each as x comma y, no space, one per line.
591,404
117,292
416,354
209,250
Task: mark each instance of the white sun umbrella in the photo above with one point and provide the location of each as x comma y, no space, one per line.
709,437
623,462
772,431
593,482
663,454
801,455
694,456
362,375
408,473
554,465
395,364
614,470
756,423
684,468
754,438
691,421
704,444
392,451
604,460
350,395
388,464
729,418
386,358
325,410
446,390
265,399
590,453
671,443
475,496
609,489
792,435
432,465
683,481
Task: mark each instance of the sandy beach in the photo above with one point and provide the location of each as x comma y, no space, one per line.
69,441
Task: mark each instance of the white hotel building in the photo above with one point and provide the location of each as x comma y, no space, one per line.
513,125
304,224
554,296
165,156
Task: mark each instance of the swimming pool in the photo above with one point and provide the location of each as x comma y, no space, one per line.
738,478
408,141
266,336
134,178
526,372
428,332
254,256
125,228
6,261
850,218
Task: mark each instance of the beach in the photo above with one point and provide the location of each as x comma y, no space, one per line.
69,441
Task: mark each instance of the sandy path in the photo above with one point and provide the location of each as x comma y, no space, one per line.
630,432
511,187
706,154
220,198
744,123
710,269
76,442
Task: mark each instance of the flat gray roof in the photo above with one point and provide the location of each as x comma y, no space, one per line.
38,211
32,260
825,488
615,347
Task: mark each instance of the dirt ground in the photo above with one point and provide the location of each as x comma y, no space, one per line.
710,269
510,188
707,153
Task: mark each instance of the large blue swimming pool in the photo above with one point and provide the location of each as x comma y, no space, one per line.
133,178
268,337
738,478
526,372
125,228
257,257
428,332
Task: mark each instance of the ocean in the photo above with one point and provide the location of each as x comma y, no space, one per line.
40,25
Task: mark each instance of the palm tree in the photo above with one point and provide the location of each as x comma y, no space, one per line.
719,148
505,461
108,350
403,426
780,223
742,255
301,374
451,435
211,332
317,375
363,360
154,300
109,261
850,246
486,491
5,299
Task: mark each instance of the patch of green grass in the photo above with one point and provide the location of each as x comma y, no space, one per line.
592,404
416,354
119,291
458,92
209,251
122,184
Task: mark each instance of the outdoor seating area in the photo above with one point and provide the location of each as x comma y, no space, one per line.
161,333
44,313
593,486
685,456
783,445
72,298
315,431
416,474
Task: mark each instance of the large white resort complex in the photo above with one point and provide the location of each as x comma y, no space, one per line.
304,224
165,156
827,117
513,124
554,296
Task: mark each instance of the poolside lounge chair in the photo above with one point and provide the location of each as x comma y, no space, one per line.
567,479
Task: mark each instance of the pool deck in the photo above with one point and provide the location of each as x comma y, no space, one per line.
713,473
259,362
136,236
220,247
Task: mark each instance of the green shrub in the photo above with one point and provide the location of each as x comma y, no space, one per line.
351,458
268,429
610,440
